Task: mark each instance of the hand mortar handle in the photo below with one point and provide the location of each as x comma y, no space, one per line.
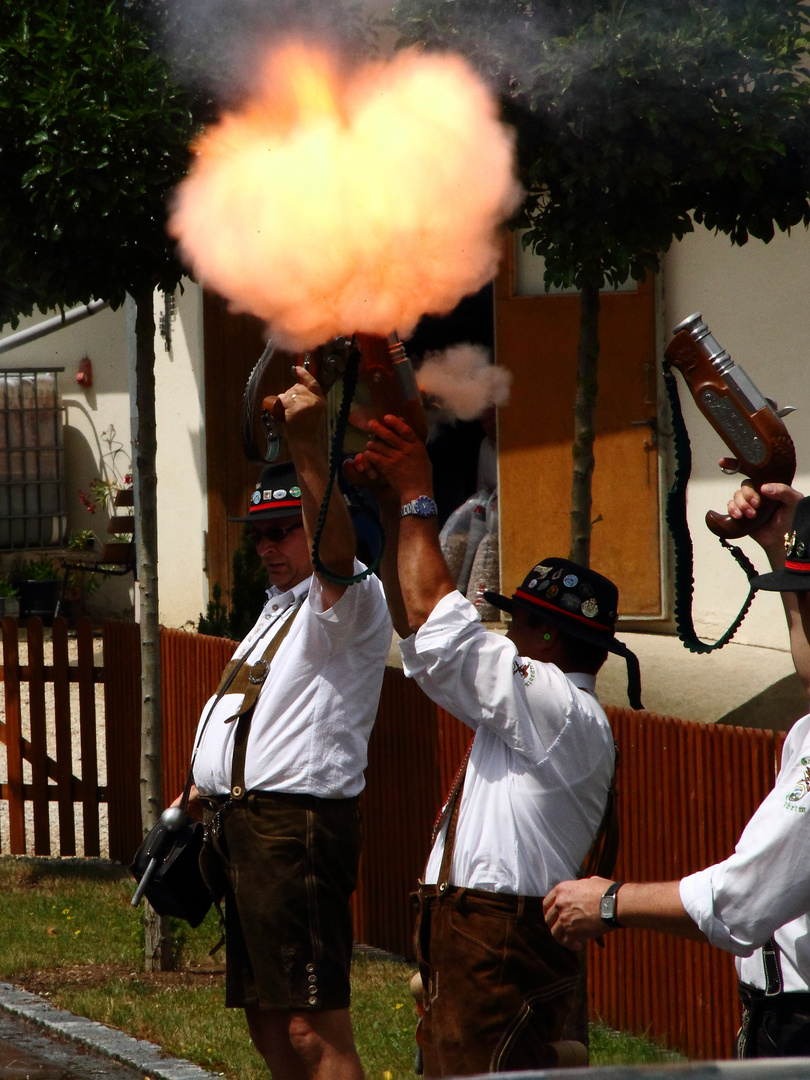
744,419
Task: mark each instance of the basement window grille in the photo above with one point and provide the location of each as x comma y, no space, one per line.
32,459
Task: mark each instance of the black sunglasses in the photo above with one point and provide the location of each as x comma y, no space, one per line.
274,534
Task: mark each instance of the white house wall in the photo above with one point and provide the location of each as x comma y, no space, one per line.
181,490
90,411
755,301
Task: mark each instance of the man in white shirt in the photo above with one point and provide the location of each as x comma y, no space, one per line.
756,903
281,785
497,990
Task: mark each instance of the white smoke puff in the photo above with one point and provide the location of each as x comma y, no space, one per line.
464,381
333,203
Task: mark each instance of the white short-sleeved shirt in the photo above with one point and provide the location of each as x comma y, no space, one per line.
541,762
763,889
311,724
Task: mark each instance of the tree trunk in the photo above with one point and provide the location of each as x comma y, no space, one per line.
584,413
581,503
158,948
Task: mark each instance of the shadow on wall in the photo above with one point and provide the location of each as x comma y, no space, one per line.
777,708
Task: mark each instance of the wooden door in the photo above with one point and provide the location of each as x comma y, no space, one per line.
233,344
536,339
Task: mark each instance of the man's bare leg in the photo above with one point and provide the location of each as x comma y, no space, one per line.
270,1035
306,1045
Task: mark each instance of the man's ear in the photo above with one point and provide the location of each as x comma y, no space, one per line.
547,637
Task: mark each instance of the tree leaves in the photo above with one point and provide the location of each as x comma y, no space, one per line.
94,136
635,120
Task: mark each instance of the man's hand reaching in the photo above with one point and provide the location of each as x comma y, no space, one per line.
746,501
396,454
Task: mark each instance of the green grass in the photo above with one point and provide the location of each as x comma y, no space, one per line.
67,931
609,1047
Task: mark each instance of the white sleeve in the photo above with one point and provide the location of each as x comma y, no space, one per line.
739,903
478,676
361,610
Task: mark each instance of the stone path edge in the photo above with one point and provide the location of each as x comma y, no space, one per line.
137,1053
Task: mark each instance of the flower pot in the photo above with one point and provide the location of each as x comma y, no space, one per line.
9,607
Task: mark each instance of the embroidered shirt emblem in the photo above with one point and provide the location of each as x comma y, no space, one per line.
525,671
803,786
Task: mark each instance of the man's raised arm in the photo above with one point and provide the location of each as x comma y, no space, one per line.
395,452
305,416
771,538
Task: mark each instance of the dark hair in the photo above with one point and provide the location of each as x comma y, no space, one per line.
582,655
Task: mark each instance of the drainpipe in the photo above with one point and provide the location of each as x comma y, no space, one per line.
31,333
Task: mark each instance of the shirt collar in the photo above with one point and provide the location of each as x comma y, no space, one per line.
287,597
582,681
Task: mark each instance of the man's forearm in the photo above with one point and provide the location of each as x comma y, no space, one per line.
656,906
402,459
572,910
423,573
337,543
389,519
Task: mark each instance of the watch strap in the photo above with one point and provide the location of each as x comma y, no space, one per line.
422,506
610,893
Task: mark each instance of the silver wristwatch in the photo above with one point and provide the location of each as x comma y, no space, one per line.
423,507
607,905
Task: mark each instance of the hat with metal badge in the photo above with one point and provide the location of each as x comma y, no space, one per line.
578,601
796,575
276,494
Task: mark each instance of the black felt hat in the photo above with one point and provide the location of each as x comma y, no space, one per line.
578,601
276,494
796,575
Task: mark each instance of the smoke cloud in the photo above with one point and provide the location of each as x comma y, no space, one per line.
338,199
463,380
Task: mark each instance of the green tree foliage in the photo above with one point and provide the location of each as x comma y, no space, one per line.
94,136
635,121
248,596
95,133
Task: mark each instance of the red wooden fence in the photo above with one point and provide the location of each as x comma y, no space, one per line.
685,792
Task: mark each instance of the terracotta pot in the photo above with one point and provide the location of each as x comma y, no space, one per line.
9,607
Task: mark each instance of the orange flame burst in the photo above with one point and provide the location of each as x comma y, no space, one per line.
340,200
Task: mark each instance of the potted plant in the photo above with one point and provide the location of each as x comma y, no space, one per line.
40,586
81,540
9,600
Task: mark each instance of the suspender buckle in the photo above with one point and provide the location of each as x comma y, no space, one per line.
257,672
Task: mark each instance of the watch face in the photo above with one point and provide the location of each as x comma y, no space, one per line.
607,907
424,507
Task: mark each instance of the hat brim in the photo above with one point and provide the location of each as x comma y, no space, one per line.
269,515
782,581
606,639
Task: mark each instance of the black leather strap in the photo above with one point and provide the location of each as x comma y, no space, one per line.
773,968
611,890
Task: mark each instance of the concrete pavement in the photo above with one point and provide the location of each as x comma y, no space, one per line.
40,1041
